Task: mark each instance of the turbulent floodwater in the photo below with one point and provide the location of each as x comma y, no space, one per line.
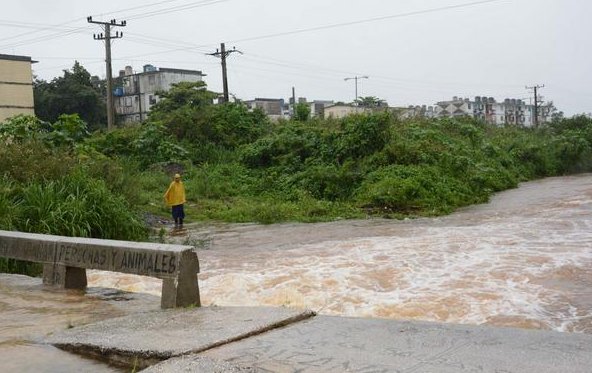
523,260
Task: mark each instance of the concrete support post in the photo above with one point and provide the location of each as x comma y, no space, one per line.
184,290
64,277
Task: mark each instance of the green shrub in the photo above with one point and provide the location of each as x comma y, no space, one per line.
22,127
32,160
329,181
413,189
116,143
362,135
220,181
154,145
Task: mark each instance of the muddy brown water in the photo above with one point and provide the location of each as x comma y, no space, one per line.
523,260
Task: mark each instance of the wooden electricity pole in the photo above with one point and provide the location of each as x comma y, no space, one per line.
222,53
107,38
536,103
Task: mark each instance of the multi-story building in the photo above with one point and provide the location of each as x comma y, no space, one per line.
510,111
423,111
278,108
16,86
317,107
273,107
136,93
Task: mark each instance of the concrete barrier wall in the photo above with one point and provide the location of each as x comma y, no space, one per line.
66,259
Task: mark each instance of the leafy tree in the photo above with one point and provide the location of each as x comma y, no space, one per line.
183,94
73,93
188,112
155,144
301,112
370,102
181,107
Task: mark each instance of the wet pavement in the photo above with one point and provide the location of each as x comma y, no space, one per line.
138,341
282,340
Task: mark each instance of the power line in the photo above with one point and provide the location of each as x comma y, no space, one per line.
158,43
175,9
48,27
46,37
324,27
368,20
141,6
45,27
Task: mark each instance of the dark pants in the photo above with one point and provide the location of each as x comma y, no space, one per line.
178,215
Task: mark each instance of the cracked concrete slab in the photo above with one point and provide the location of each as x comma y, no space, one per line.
334,344
140,341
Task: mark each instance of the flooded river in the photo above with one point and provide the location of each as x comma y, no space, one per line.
523,260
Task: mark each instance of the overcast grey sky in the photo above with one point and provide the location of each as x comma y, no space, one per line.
418,53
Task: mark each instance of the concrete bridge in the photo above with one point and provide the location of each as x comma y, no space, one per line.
247,339
66,259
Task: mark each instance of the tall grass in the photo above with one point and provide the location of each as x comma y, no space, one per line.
76,205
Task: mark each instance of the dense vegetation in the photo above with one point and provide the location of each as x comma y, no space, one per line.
238,167
76,92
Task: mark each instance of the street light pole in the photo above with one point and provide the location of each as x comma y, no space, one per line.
356,78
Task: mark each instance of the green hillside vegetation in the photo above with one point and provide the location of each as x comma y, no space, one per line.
237,166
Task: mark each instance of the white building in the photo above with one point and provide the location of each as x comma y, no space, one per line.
423,111
338,111
510,111
137,93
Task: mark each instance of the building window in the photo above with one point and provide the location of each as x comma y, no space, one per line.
128,101
151,80
152,100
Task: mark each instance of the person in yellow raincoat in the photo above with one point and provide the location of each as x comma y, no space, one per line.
175,197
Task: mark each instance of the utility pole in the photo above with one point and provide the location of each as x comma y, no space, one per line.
356,78
293,102
222,53
536,102
107,36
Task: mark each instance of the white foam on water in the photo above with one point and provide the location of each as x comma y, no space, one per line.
524,267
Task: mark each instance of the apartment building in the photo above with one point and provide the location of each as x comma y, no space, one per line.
274,108
16,86
136,93
510,111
